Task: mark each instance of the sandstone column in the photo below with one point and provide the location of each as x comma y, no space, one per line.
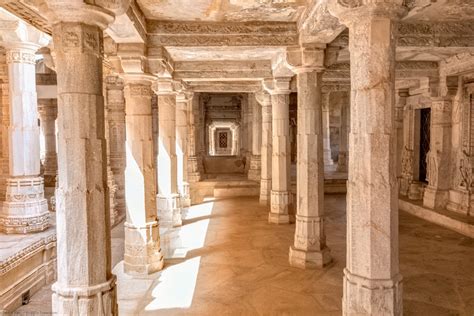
25,209
193,162
85,284
169,210
255,159
48,112
372,282
344,135
438,158
142,240
279,89
326,130
182,101
309,249
116,125
266,148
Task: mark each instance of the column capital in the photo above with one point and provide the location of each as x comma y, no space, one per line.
350,12
263,98
165,86
278,85
101,13
114,82
301,59
403,92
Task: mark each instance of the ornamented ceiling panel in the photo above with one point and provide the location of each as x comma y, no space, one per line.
223,10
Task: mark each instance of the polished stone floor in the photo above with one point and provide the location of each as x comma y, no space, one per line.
232,262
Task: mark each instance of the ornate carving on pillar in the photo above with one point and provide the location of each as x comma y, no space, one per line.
264,99
256,121
193,170
183,100
48,113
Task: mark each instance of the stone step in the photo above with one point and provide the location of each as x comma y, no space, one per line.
237,189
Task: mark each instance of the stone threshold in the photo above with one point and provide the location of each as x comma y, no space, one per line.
457,222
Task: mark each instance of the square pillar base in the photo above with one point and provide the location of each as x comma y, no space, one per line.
279,208
434,198
169,210
307,259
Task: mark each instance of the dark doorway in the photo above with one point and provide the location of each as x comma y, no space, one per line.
425,118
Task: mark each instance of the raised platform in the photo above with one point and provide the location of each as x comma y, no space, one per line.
27,263
457,222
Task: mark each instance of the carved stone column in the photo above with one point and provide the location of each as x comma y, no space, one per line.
82,213
117,154
265,101
326,130
255,160
309,249
142,240
48,112
169,209
193,163
25,208
182,103
438,158
372,282
344,135
280,89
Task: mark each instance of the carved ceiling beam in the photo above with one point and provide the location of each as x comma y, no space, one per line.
224,86
28,13
162,33
129,27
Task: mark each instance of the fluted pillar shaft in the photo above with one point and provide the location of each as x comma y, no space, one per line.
169,209
344,135
256,121
309,249
116,132
264,99
327,130
142,240
194,174
25,209
182,104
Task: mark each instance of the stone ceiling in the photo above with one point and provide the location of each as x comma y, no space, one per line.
223,10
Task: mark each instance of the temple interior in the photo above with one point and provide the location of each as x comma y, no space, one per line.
237,157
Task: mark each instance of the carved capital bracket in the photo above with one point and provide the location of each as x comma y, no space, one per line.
305,59
279,85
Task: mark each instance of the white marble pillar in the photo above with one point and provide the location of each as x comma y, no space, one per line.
372,281
116,131
309,249
194,174
48,112
326,130
344,135
255,159
182,103
439,157
280,94
169,208
25,208
85,284
142,240
265,101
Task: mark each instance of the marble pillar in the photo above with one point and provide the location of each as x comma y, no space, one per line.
264,99
25,208
439,156
326,130
255,159
142,240
344,135
193,170
169,208
309,249
85,284
372,280
182,103
116,131
48,112
279,201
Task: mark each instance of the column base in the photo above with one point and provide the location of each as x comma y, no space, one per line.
193,170
435,199
306,259
265,189
185,198
255,169
142,249
100,299
169,210
279,208
25,209
364,296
